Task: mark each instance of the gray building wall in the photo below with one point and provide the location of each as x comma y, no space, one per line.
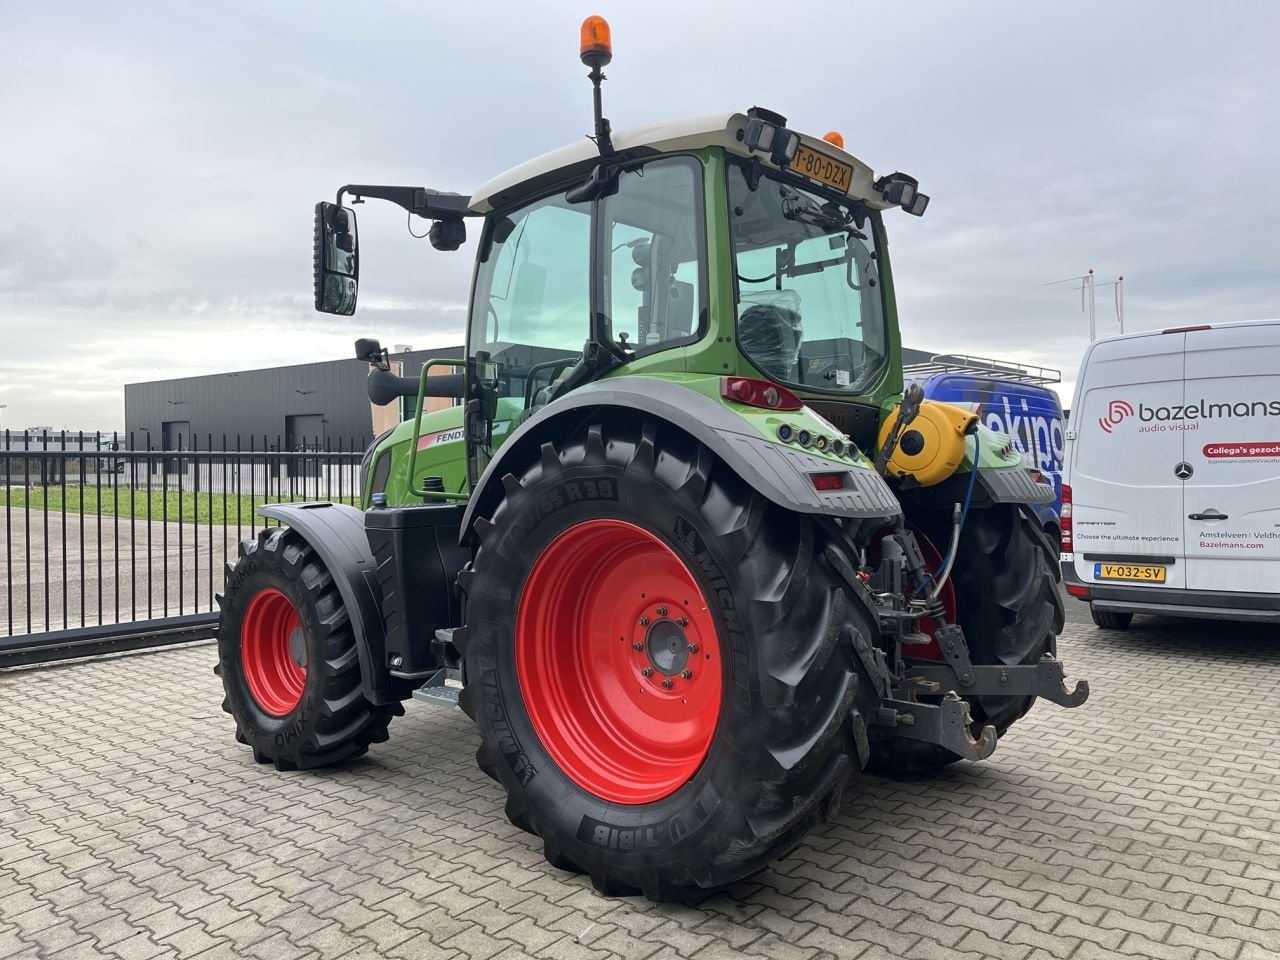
321,403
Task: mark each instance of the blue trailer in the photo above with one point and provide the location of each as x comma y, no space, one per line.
1011,398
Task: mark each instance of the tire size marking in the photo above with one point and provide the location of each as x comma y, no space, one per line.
291,732
542,506
657,835
496,711
688,536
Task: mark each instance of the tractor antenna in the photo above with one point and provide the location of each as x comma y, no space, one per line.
596,52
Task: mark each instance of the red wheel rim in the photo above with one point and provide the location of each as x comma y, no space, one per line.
618,660
273,651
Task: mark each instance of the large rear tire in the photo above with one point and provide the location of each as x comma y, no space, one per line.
1005,579
620,551
288,661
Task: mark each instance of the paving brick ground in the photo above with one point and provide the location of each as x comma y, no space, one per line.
1146,824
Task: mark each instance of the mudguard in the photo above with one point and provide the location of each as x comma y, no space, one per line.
336,532
777,472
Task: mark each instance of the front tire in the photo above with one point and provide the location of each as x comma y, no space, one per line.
288,660
1005,579
618,535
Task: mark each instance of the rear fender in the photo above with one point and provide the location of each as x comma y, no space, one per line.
778,472
336,533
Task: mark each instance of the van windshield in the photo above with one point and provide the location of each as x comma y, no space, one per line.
809,306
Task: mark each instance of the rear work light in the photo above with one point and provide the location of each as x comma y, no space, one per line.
758,393
1066,519
827,481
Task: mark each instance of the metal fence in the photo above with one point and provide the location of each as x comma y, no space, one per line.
107,546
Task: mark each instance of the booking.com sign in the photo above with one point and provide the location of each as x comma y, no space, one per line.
1117,410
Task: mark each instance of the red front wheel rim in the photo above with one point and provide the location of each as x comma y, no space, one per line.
273,651
619,663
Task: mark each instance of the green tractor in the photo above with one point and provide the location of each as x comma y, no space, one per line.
683,549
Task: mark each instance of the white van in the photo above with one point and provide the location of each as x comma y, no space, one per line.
1171,499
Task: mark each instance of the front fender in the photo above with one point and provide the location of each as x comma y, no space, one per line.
778,472
336,533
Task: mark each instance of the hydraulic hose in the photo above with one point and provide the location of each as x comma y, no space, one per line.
957,525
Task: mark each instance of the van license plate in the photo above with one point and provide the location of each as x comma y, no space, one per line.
1141,572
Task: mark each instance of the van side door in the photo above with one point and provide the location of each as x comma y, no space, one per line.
1232,496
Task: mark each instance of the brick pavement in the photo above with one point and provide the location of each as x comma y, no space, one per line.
1144,824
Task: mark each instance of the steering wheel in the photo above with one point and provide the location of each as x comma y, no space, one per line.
556,367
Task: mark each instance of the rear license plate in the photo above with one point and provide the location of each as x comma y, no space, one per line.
818,166
1140,572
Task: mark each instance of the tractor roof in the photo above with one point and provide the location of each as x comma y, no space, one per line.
691,133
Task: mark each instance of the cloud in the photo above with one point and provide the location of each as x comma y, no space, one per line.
162,163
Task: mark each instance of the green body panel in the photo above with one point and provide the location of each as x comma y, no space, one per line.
698,366
444,455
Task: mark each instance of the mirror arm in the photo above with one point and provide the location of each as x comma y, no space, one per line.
428,204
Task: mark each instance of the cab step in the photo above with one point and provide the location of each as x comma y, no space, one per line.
442,689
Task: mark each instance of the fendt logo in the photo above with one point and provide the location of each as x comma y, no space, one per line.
1117,410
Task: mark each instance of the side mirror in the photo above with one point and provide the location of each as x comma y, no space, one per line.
336,259
369,350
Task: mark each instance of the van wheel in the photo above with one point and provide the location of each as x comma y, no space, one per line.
1005,579
1110,620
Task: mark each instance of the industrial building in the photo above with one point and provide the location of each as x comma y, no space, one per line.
307,406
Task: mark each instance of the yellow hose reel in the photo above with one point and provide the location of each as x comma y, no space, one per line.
931,447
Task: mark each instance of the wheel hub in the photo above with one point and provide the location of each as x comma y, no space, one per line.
298,646
667,647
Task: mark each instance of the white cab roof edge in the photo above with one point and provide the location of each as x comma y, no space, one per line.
690,133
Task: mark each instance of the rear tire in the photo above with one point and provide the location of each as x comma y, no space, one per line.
1110,620
1007,601
288,660
787,731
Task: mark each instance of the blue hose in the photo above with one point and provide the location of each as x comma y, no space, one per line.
964,513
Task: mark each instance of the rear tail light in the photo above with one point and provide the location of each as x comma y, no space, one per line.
758,393
827,481
1066,519
1078,590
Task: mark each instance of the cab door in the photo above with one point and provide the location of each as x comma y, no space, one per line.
1127,499
1232,497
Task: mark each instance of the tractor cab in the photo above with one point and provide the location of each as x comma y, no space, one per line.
722,245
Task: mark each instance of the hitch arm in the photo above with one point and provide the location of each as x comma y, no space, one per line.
947,724
1044,679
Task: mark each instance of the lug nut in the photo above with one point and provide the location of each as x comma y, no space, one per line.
662,611
692,648
667,683
682,622
687,674
647,672
637,646
644,621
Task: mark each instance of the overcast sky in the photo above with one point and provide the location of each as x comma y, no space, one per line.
160,163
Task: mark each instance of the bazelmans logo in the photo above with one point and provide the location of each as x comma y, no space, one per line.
1117,410
1179,415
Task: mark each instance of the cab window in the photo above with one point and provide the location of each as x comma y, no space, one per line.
653,279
